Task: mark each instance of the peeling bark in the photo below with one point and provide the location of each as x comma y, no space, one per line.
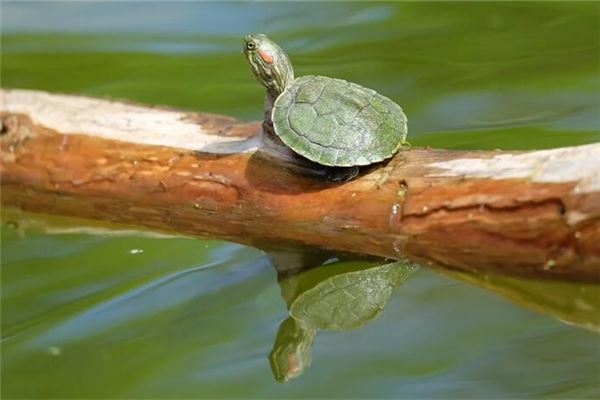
526,213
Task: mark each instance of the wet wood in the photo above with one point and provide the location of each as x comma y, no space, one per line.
525,213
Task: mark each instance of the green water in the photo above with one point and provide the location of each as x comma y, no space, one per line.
133,316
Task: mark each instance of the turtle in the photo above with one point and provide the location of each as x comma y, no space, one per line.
335,125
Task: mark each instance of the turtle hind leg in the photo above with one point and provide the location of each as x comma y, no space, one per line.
341,174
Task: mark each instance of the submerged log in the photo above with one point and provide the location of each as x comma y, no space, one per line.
531,213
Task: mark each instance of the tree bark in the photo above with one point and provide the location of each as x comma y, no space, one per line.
531,213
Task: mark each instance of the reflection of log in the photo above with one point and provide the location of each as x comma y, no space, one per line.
533,213
574,303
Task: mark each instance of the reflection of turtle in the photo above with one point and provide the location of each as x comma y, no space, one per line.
339,296
349,300
291,353
328,121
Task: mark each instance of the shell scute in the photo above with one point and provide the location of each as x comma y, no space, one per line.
379,105
368,120
326,123
355,100
327,103
330,157
309,93
302,117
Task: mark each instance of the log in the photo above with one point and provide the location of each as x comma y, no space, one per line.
533,213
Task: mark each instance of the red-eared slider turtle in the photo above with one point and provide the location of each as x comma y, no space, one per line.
329,121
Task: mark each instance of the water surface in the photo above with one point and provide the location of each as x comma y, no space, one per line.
114,316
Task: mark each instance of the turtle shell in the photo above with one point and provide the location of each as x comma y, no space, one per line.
338,123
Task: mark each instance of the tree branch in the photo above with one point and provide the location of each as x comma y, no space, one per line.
528,213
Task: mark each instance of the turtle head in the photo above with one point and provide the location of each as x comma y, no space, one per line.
291,353
269,63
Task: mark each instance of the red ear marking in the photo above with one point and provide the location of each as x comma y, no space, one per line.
266,57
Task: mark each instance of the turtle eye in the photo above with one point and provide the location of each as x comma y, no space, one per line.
250,46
